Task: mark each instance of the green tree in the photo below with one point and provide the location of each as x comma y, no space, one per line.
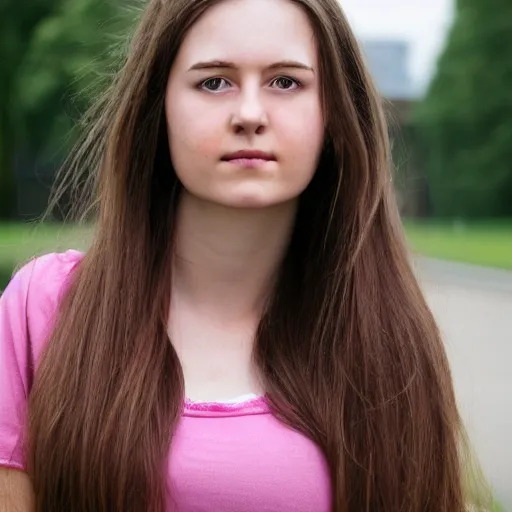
67,52
17,24
72,53
465,121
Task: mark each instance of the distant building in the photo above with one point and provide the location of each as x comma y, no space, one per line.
388,62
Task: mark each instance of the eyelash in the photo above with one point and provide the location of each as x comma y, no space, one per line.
201,84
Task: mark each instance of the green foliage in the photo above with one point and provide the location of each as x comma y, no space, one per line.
16,26
466,119
70,54
56,54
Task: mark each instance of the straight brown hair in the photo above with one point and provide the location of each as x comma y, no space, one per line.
348,349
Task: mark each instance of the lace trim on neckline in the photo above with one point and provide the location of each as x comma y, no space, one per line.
248,406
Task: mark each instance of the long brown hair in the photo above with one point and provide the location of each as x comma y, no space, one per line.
348,349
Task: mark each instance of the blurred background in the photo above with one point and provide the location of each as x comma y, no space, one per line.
444,69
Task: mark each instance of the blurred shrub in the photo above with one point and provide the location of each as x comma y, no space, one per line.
465,122
5,276
55,55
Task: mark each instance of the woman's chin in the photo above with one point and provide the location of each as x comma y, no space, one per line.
249,196
255,196
250,201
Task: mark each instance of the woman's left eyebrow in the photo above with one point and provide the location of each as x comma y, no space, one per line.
222,64
291,64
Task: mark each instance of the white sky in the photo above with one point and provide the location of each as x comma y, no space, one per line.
423,23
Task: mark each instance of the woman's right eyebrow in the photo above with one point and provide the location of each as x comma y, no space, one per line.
213,64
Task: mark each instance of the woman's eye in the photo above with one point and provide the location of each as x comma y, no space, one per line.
214,84
285,83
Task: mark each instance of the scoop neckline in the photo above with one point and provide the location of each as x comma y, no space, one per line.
248,406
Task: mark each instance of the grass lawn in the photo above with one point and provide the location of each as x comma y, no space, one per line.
484,243
20,242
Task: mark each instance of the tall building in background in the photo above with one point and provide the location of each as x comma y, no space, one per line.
388,62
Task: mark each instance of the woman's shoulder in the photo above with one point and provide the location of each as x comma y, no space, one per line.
28,308
46,275
42,279
29,304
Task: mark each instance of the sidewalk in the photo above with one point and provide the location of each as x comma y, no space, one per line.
473,307
470,276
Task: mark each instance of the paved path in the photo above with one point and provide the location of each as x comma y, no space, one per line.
473,307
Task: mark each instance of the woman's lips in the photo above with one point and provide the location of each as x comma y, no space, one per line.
249,163
249,158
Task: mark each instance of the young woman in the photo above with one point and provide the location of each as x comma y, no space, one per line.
245,332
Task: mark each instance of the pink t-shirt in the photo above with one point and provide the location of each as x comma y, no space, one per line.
224,457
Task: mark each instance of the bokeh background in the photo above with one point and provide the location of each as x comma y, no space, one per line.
444,70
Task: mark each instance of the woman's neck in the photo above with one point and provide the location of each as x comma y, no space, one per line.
225,258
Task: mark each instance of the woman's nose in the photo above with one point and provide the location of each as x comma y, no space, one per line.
250,116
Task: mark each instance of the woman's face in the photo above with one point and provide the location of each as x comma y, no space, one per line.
243,104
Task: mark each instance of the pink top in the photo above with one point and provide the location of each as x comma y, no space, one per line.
224,457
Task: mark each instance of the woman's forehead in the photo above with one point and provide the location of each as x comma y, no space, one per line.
255,33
